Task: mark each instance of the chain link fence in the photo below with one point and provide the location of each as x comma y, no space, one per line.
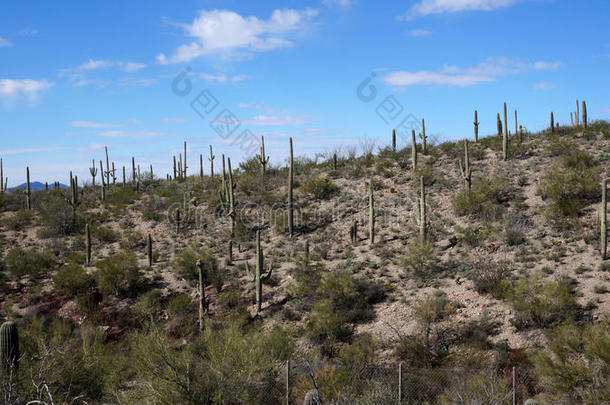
397,384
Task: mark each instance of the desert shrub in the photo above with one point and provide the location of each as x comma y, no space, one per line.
576,366
22,262
185,265
153,208
133,239
321,187
19,220
118,274
570,183
542,304
120,195
490,276
515,227
420,260
104,233
56,215
484,387
148,306
72,279
485,199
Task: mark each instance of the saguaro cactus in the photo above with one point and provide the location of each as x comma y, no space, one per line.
203,305
393,140
290,196
9,345
177,220
93,171
259,277
133,171
201,165
74,201
88,244
353,232
28,190
422,220
520,133
184,166
149,250
262,158
424,142
516,124
577,113
335,161
413,151
465,168
124,180
230,253
107,166
476,127
499,124
175,169
604,223
371,213
505,136
211,159
552,123
584,114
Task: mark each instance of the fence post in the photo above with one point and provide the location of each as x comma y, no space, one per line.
288,382
399,383
514,390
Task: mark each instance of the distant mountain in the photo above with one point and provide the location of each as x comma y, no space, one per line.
36,186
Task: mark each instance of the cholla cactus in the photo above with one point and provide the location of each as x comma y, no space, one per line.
465,168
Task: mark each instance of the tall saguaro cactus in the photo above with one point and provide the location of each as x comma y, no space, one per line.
604,223
505,136
259,277
371,213
9,346
262,158
107,173
577,113
552,123
476,127
200,166
231,196
184,167
74,201
422,220
465,167
516,123
290,196
424,142
93,171
88,244
211,159
28,190
499,124
413,151
133,170
393,140
201,299
584,114
149,250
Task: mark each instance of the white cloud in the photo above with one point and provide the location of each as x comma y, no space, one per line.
5,43
222,78
427,7
131,134
271,120
94,64
544,86
131,66
487,71
28,32
10,88
91,124
338,3
419,33
547,65
174,119
254,106
226,32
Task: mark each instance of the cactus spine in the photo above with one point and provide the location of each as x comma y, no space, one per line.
93,171
476,127
201,299
290,201
424,142
88,244
9,346
393,140
465,168
422,212
371,213
413,151
584,114
552,123
262,159
259,278
604,223
149,250
211,159
28,190
505,136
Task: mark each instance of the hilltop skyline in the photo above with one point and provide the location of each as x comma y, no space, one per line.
75,77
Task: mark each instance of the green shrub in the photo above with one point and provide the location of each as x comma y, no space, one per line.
321,187
543,304
72,279
490,276
118,274
29,261
104,234
19,220
420,260
185,265
56,215
485,199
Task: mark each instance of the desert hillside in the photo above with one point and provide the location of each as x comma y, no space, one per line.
499,266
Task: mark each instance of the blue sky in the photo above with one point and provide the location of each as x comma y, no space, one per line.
75,76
